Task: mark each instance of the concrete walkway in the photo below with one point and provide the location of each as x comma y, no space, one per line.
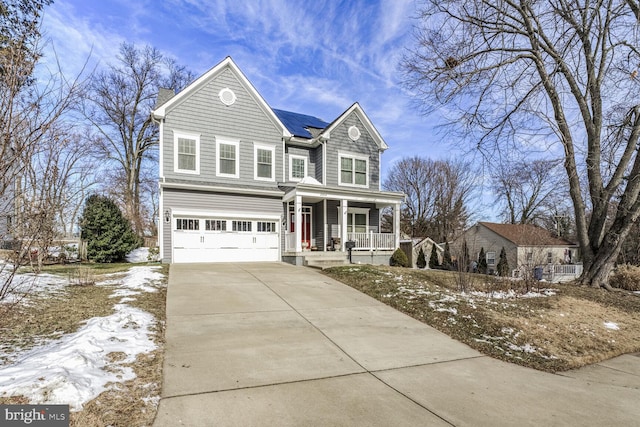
277,345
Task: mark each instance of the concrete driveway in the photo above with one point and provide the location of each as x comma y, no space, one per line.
271,344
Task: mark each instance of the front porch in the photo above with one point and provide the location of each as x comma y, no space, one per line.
321,222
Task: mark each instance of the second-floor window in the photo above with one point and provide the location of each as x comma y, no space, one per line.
187,153
264,160
297,168
353,170
227,158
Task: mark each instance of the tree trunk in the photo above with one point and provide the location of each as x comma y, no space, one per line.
601,262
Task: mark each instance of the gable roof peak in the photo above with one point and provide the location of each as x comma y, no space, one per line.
371,129
227,63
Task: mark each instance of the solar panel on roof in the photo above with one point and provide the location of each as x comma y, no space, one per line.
297,123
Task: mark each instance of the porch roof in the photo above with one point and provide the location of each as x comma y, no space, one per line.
350,194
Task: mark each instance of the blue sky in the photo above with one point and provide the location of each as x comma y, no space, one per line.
315,58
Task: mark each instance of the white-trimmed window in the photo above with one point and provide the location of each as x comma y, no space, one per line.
354,170
264,156
491,258
357,220
186,152
297,167
227,164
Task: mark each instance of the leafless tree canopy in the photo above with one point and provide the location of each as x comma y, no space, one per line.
118,105
437,196
555,76
527,191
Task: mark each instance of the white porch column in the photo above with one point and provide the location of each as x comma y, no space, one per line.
297,209
324,221
396,224
344,205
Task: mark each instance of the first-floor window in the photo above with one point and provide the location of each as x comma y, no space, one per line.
549,257
491,258
357,222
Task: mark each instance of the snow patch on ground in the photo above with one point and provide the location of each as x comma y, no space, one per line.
29,284
76,368
138,255
611,325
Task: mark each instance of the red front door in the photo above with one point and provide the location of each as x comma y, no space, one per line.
305,230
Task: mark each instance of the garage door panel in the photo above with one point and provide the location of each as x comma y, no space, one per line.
226,246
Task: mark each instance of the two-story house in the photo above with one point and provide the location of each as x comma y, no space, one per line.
241,181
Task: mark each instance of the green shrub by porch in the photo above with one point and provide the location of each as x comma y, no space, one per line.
399,259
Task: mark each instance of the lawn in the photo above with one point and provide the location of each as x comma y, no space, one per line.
98,347
549,327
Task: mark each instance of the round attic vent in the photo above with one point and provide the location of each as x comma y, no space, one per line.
227,96
354,133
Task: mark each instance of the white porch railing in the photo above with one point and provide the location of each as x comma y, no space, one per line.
574,270
372,241
364,241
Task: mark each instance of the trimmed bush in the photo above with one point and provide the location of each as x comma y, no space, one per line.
433,258
626,277
421,262
503,264
399,259
446,257
482,262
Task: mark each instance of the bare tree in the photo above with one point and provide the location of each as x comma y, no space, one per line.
55,183
118,105
437,195
561,75
527,191
29,109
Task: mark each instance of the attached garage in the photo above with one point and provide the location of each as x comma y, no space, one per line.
220,238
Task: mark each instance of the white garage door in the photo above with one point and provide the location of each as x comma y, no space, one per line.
201,239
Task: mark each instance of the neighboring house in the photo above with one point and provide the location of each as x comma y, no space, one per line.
527,247
241,181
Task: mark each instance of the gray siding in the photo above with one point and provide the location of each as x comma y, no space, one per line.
365,145
202,113
316,154
208,202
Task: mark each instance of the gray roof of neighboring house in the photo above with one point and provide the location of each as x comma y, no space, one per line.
298,124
